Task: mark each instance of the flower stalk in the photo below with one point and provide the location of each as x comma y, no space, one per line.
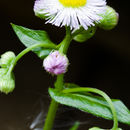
64,45
20,55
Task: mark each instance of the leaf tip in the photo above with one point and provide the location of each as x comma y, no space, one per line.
12,24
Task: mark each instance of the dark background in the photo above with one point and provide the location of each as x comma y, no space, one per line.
102,62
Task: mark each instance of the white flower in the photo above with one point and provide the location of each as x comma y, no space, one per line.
71,13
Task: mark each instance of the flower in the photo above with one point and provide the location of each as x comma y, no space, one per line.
71,13
56,63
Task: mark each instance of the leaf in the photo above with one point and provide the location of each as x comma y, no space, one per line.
30,37
92,104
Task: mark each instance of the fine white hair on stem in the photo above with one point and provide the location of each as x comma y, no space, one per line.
60,15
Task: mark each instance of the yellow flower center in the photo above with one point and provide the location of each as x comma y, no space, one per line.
73,3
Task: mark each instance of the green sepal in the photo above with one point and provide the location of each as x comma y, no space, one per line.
31,37
40,15
6,59
92,104
7,81
84,35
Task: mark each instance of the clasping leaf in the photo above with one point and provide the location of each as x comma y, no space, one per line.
95,105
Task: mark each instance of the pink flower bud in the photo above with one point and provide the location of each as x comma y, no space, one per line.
56,63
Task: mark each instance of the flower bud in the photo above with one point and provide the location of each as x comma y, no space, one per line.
6,59
56,63
85,34
38,9
7,82
109,19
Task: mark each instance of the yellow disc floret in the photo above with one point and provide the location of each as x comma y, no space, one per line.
73,3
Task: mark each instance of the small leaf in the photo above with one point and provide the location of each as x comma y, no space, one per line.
92,104
30,37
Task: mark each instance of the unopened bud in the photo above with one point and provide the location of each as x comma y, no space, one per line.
85,34
109,19
6,59
7,82
56,63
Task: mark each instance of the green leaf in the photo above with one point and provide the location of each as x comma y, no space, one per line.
92,104
30,37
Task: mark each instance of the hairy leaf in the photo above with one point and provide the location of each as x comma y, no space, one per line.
92,104
31,37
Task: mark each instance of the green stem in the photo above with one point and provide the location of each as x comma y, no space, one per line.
18,57
106,97
76,126
53,106
66,42
59,82
64,45
51,115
